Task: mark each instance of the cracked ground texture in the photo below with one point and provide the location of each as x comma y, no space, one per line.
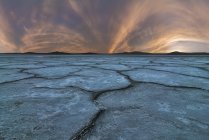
104,97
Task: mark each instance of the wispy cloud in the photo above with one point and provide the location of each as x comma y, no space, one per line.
104,25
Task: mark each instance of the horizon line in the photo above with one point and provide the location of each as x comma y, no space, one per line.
134,52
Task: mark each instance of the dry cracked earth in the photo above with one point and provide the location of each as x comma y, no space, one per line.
115,97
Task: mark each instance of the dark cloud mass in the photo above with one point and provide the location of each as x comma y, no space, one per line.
104,26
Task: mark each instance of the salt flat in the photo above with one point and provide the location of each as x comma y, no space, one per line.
103,97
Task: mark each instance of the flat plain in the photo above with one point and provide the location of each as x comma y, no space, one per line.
104,97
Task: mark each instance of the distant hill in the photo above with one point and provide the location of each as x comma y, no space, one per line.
59,53
186,53
138,53
172,53
122,53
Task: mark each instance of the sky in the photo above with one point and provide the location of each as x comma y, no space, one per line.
104,26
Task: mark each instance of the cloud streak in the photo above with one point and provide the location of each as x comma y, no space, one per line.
104,26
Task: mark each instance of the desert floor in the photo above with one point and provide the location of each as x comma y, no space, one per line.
103,97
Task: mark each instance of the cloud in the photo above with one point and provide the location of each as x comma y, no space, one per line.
104,25
49,38
6,41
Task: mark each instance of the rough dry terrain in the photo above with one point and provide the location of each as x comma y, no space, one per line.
104,97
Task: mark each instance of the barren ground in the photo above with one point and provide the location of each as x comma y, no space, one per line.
118,97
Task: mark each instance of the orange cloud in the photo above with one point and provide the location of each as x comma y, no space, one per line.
104,26
6,41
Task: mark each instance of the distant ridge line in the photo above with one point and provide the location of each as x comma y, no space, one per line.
122,53
171,53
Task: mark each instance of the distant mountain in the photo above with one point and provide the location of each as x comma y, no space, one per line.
171,53
187,53
122,53
135,52
58,53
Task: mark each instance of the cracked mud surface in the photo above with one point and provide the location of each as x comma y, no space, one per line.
92,97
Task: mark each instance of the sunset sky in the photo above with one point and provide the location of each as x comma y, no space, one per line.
104,26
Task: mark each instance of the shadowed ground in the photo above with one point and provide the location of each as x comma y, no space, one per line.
102,97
